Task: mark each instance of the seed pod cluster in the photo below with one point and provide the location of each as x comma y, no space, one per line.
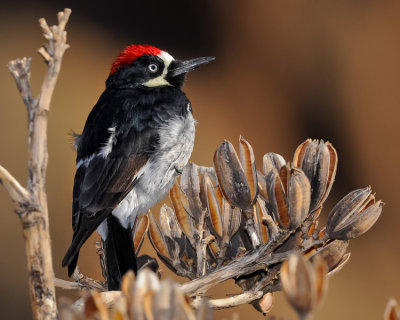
145,298
222,214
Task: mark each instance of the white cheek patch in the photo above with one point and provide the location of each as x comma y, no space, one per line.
157,82
160,80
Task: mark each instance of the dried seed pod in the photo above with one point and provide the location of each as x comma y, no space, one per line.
266,303
277,199
289,196
318,160
146,285
262,185
272,161
190,185
162,308
299,192
157,239
178,199
332,253
260,226
169,224
303,283
231,177
321,282
340,265
139,231
231,217
392,310
213,204
249,165
95,307
354,215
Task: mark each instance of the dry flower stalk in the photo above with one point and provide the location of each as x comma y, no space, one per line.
31,201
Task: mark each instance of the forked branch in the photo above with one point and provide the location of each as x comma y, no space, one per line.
31,202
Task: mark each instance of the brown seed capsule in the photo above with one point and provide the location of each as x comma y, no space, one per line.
303,283
332,253
231,177
146,285
139,231
168,223
318,160
354,215
249,165
213,204
157,238
266,302
299,193
95,307
289,196
190,185
272,161
178,200
277,198
392,310
231,217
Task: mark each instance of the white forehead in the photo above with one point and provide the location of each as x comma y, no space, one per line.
166,57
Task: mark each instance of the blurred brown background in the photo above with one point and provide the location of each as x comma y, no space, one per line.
285,71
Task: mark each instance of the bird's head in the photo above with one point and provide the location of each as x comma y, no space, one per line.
151,67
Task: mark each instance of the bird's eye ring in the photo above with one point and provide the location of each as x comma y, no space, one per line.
153,67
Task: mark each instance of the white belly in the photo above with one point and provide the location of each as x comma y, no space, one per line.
157,177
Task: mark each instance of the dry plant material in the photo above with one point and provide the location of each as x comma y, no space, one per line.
234,222
31,201
145,298
304,283
354,215
392,310
242,224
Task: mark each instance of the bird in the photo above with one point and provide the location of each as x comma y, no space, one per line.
135,143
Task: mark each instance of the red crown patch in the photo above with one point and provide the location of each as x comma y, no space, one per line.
131,53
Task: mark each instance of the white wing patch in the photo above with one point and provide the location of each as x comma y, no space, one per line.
107,148
104,151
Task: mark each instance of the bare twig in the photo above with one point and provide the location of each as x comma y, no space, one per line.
246,264
81,282
31,202
17,192
234,301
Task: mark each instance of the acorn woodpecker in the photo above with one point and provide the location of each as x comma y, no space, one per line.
136,141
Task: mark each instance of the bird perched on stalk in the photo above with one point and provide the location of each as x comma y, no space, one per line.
136,141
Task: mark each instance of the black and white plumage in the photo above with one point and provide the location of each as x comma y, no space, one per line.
136,141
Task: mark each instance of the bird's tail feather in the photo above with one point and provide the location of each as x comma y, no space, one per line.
119,252
71,257
86,228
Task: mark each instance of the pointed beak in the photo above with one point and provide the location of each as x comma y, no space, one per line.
182,67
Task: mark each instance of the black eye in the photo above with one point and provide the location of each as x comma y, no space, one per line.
153,67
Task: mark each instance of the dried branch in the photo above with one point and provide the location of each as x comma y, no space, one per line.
17,192
234,301
247,264
32,202
81,282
